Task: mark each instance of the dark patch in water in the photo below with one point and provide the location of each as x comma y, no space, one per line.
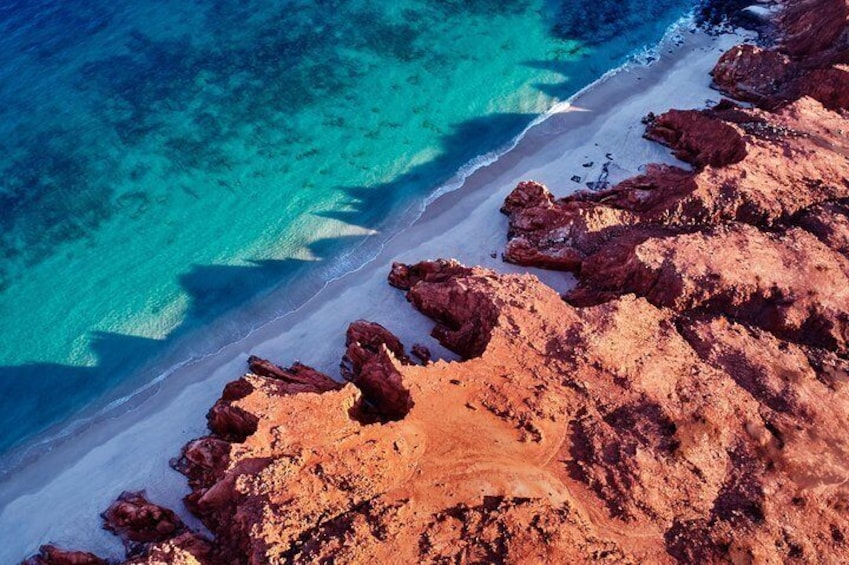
599,21
46,200
722,14
47,392
60,189
78,20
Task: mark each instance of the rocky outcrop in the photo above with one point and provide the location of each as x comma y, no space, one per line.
830,223
203,460
52,555
153,535
230,422
699,139
185,549
372,363
799,290
364,339
768,168
753,74
466,327
136,520
421,352
815,32
298,377
770,79
406,276
830,86
620,432
810,61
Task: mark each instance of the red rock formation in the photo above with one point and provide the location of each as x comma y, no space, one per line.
186,549
231,422
422,353
816,32
830,223
203,460
152,534
753,74
800,287
406,276
619,432
829,86
372,363
698,138
366,338
300,377
466,327
52,555
810,61
134,519
528,194
795,159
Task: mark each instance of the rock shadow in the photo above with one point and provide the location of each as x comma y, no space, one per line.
50,393
370,206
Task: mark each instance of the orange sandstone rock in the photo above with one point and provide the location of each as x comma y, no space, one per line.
52,555
134,519
794,159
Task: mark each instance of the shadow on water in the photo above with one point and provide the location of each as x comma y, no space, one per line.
69,386
48,392
216,290
564,69
468,140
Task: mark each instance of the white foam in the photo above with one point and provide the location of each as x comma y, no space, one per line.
643,57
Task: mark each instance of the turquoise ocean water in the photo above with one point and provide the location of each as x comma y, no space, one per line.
163,164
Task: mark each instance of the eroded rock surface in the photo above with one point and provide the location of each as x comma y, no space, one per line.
135,519
372,362
625,431
809,61
52,555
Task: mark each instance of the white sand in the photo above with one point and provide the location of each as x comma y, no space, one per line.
58,497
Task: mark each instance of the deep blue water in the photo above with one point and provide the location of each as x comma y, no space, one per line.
163,164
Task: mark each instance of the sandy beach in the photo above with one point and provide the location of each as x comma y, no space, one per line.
58,497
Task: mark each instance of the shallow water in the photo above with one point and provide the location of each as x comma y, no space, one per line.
163,165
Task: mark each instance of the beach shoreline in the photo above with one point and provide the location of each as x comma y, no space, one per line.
58,497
